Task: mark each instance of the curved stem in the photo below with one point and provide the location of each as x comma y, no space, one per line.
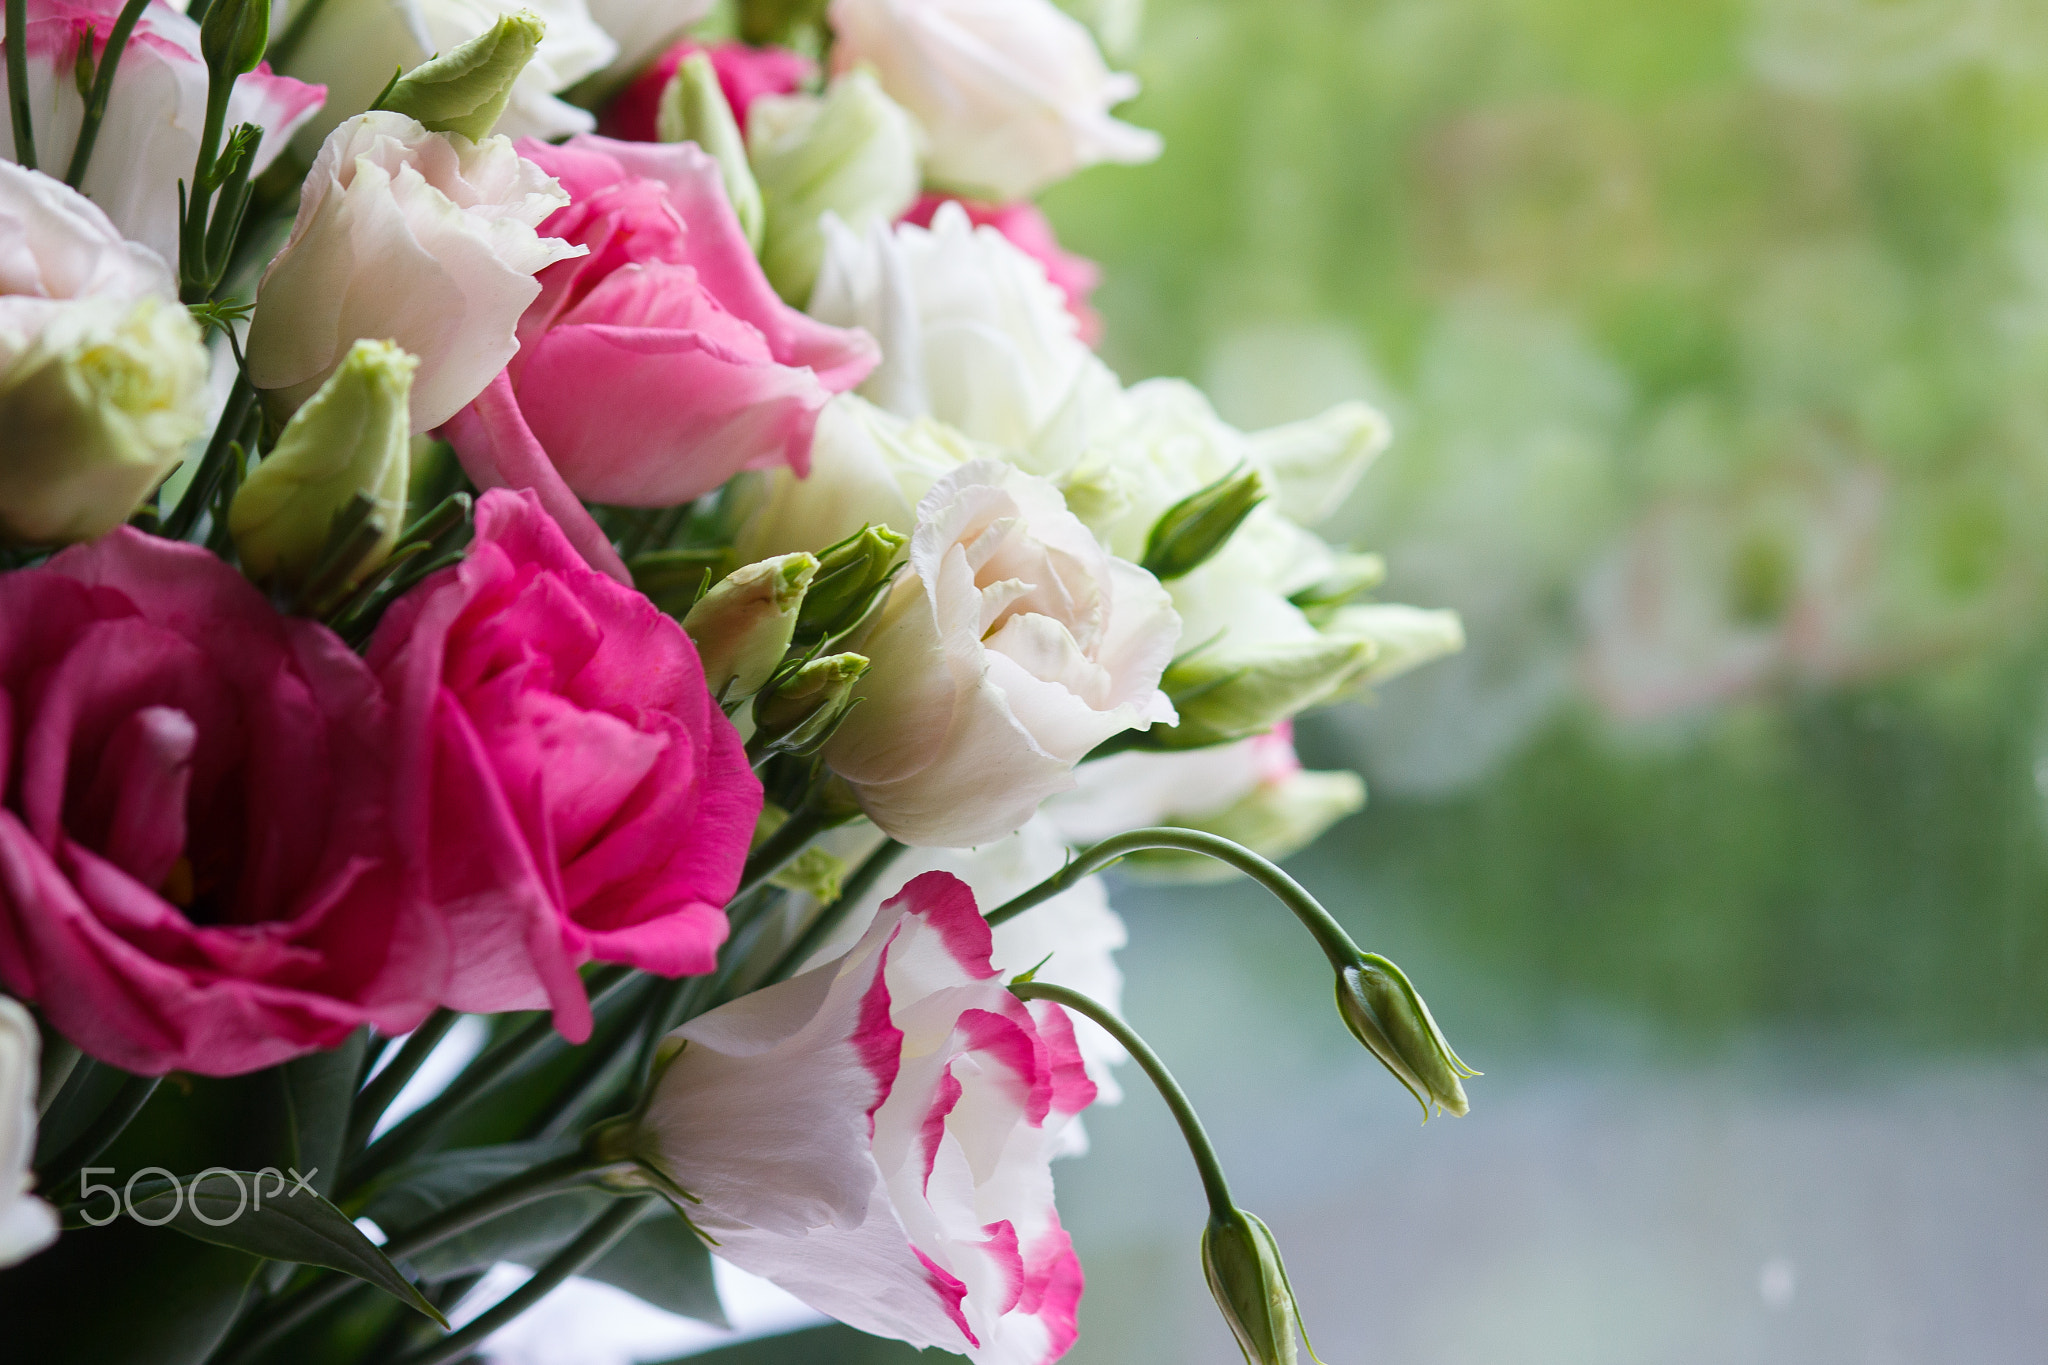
548,1178
112,1122
381,1089
1204,1152
17,83
102,90
596,1240
1329,935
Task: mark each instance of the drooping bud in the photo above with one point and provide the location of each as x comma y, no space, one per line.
799,713
94,413
1227,696
233,35
852,152
850,576
1197,526
694,109
742,626
1351,575
465,89
1384,1012
1249,1281
1401,637
353,437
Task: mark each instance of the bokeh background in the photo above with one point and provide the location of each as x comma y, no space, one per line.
1715,334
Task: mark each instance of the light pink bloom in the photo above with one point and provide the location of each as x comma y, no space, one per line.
744,74
874,1136
196,864
149,138
576,793
659,365
1028,229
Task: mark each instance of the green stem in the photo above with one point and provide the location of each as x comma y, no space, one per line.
17,83
102,90
1204,1152
1329,935
213,464
282,47
579,1255
382,1088
112,1122
542,1181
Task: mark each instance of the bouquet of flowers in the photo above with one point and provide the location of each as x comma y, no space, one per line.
601,526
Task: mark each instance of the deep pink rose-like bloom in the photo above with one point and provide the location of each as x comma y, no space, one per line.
197,871
659,365
578,794
744,74
875,1136
1030,232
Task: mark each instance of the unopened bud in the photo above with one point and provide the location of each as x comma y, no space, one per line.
850,575
1197,526
1401,637
1222,697
798,714
742,626
465,89
1383,1011
1249,1280
353,437
233,35
694,109
1351,575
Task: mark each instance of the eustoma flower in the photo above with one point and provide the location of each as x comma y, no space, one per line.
149,139
422,239
1027,228
27,1224
874,1136
744,75
660,364
578,794
197,870
1013,93
1013,647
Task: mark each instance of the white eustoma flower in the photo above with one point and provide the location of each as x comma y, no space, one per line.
354,47
422,239
875,1135
1013,646
27,1224
149,138
102,372
1013,93
642,29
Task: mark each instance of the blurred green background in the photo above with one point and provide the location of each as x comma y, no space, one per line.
1715,336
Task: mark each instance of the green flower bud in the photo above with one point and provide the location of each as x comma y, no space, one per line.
96,411
850,576
233,35
853,152
1401,637
1197,526
694,109
742,626
353,437
465,89
799,713
1352,575
1249,1281
1383,1011
1228,696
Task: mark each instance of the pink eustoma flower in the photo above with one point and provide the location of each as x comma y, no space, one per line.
197,871
874,1136
577,795
659,365
1027,228
744,75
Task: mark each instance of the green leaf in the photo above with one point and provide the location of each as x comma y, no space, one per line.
529,1235
664,1262
122,1295
293,1225
318,1090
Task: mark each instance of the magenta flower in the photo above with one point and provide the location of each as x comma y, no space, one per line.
744,75
196,866
575,793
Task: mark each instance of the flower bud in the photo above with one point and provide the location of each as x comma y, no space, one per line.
852,152
95,411
1401,637
798,714
1197,526
1227,696
1383,1011
1351,575
1316,462
694,109
233,35
354,436
742,626
850,575
1249,1280
465,89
